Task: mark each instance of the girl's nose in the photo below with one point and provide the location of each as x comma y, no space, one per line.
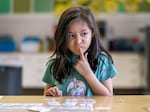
78,39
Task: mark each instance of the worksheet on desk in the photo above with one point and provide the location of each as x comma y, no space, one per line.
18,106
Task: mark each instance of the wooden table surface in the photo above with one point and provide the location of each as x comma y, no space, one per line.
118,103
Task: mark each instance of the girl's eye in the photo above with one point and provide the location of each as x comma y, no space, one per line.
70,35
84,33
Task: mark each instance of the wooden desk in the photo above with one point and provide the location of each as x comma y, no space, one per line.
122,103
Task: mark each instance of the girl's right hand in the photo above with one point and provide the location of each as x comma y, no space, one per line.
53,91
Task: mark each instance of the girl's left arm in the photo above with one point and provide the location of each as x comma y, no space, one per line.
105,88
83,67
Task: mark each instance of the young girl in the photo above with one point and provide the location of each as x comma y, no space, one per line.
81,66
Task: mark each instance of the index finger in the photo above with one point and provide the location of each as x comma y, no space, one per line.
81,54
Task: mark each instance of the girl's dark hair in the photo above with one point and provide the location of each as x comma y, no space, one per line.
62,63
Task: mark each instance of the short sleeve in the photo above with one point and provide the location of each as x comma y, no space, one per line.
105,68
48,76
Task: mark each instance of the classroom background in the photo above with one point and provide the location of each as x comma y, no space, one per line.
27,40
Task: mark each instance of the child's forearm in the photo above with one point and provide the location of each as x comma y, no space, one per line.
98,87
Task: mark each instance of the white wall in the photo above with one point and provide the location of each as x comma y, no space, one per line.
20,25
127,25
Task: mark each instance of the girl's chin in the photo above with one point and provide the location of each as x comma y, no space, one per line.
76,54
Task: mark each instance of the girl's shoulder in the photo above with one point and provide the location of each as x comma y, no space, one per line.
103,57
102,54
50,62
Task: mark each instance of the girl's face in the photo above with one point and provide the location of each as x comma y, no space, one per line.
79,37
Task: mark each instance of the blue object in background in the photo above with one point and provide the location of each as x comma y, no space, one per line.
31,39
7,44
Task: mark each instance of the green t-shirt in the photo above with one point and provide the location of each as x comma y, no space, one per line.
75,84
